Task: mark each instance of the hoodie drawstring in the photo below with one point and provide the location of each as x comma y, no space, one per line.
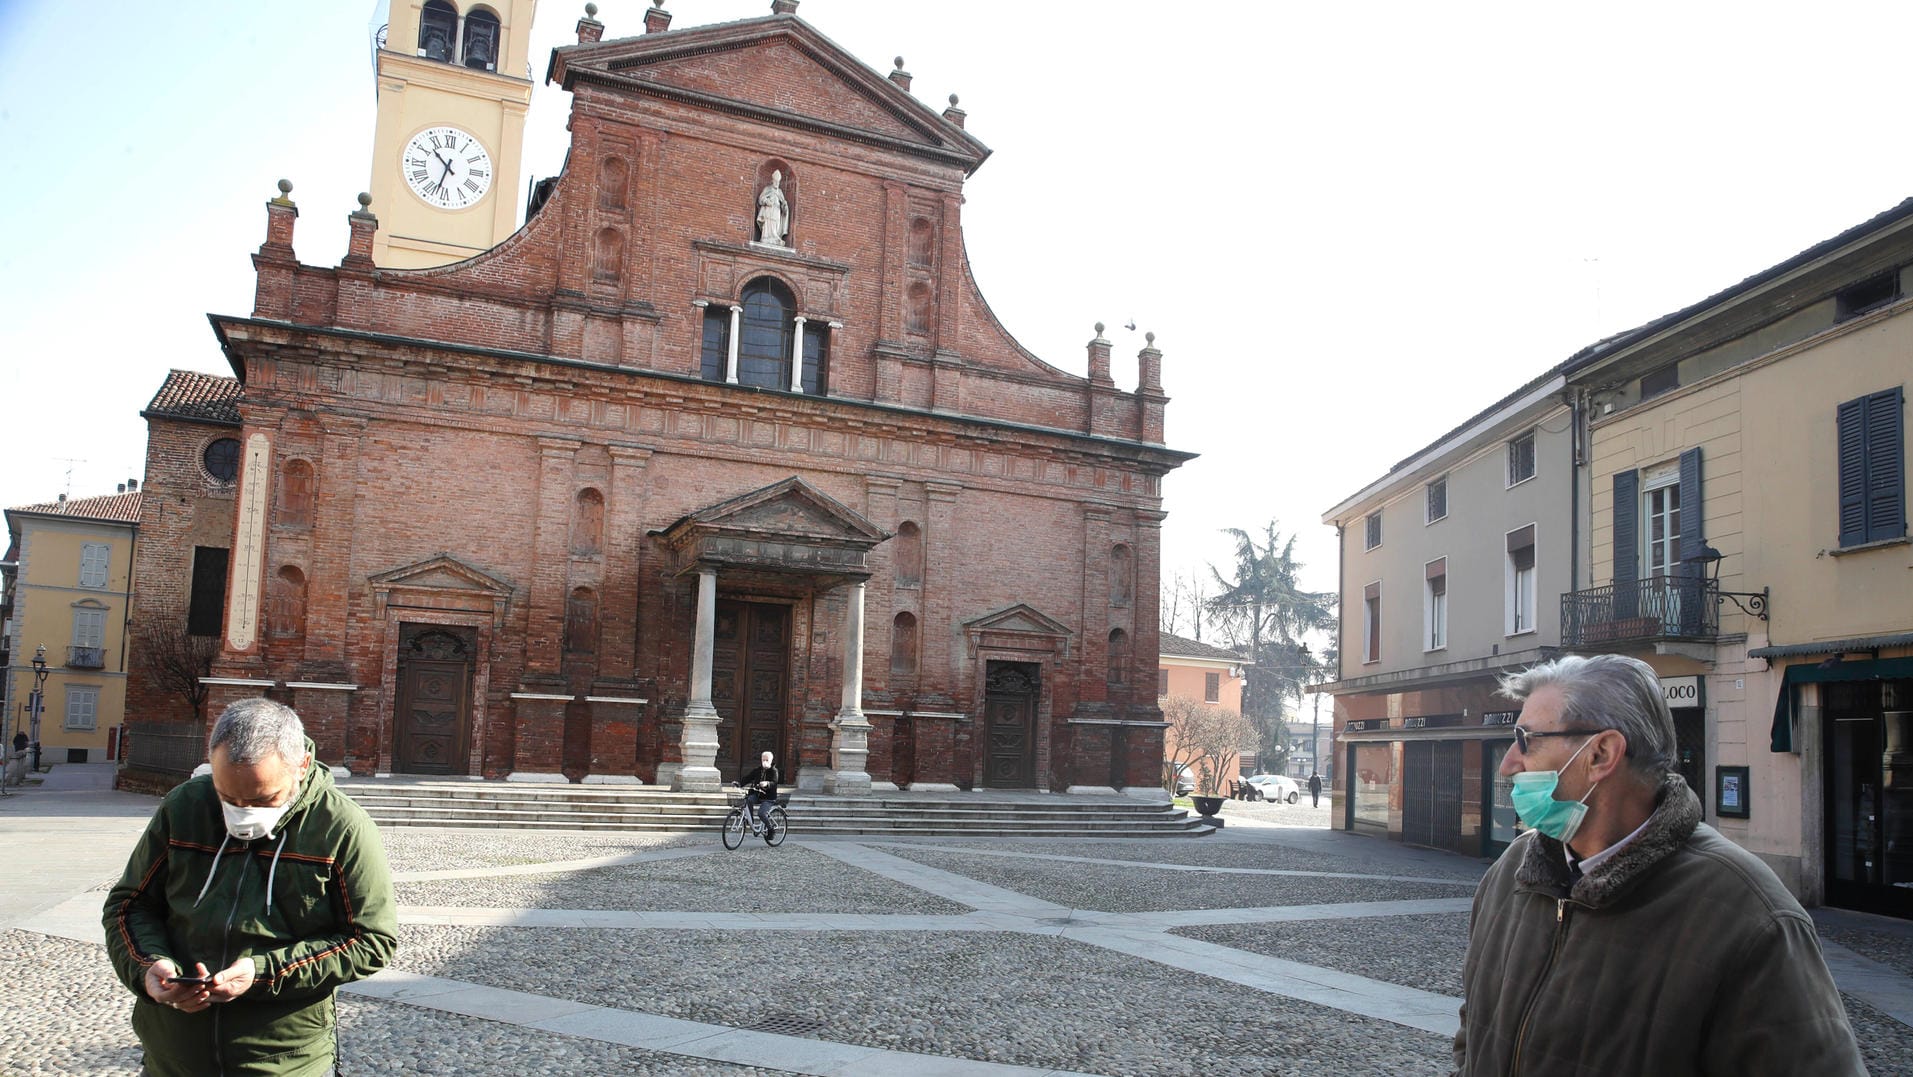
277,849
214,871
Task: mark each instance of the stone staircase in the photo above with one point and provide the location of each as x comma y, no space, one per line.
629,809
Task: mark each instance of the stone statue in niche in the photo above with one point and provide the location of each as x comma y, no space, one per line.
773,212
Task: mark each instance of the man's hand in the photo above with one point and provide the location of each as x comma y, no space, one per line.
234,981
191,998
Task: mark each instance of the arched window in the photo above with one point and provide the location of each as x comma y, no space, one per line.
581,621
909,554
481,40
921,239
608,262
437,30
916,310
295,494
1118,657
763,345
587,524
903,644
1122,575
613,177
286,603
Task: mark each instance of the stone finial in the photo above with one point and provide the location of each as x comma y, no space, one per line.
900,76
358,248
783,7
657,20
954,114
591,11
590,30
285,191
1099,359
1149,367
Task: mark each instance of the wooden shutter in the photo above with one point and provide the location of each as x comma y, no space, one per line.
1886,467
1692,538
1627,531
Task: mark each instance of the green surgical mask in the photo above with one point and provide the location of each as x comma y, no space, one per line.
1534,802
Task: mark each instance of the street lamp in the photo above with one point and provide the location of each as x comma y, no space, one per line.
37,702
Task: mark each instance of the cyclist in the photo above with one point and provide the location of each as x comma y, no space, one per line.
760,792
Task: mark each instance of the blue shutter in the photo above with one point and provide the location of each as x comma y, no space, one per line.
1627,529
1885,467
1853,472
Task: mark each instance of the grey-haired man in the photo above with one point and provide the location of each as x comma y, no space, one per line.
1621,934
255,892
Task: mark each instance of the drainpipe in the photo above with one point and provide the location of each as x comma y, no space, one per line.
1576,410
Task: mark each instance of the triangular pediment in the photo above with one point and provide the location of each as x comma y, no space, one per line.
441,573
1020,618
791,509
778,69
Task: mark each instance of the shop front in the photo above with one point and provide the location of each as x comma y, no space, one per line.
1430,780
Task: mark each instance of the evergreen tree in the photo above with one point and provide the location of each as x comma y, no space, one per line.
1263,612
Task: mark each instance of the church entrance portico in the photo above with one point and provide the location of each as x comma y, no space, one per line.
786,538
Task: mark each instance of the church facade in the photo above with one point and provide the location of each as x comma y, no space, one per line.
721,452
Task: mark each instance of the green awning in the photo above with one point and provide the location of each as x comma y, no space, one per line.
1785,710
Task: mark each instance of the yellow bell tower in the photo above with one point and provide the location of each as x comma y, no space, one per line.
453,90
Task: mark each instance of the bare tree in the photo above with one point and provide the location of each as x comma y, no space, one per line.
1205,739
177,660
1184,598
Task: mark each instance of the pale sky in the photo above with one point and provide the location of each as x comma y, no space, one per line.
1349,225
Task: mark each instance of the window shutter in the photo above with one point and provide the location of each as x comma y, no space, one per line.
1853,472
1627,506
1885,468
1692,536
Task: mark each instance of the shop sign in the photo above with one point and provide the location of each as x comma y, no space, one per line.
1499,717
1682,692
1363,725
1431,721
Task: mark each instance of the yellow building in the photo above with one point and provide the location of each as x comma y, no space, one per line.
69,581
1746,475
453,88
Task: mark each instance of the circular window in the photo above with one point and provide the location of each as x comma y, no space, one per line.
221,459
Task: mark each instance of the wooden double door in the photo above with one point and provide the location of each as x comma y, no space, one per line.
433,721
750,678
1010,694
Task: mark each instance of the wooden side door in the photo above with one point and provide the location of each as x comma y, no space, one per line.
1009,722
433,715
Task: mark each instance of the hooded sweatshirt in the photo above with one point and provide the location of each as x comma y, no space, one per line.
311,903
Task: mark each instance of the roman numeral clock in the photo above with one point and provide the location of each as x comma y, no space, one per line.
446,167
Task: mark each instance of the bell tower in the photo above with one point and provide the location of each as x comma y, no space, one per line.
446,155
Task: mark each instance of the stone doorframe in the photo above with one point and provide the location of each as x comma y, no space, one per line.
440,591
1018,633
788,528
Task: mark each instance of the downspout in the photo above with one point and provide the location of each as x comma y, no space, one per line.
126,623
1575,460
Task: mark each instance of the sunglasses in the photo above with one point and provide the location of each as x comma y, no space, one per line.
1523,736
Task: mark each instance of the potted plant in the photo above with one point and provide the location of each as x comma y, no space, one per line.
1208,802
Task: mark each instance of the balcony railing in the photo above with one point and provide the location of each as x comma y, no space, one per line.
1661,607
86,658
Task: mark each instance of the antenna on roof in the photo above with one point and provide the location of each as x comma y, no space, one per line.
69,461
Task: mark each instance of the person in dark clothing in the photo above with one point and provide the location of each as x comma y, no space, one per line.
1315,790
760,790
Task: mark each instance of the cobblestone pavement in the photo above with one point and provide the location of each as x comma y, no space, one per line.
1272,947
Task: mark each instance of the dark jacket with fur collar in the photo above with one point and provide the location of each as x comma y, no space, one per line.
1680,954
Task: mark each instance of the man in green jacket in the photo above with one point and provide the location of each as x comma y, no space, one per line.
1620,935
254,893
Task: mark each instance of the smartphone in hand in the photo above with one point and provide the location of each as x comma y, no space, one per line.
193,980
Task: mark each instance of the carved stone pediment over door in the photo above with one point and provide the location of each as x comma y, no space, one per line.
442,583
1018,628
788,527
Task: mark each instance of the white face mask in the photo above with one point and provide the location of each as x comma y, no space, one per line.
248,824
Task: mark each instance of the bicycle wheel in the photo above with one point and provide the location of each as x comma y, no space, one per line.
734,828
780,824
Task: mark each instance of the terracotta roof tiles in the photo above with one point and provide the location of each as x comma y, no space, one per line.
189,394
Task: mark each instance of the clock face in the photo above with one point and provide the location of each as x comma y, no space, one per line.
447,167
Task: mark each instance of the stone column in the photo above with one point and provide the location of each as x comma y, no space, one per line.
850,732
698,772
797,357
730,359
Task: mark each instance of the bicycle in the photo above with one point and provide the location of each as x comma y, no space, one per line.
739,821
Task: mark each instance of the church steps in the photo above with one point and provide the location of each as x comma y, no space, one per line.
571,807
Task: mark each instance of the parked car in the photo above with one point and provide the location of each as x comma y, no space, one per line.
1274,787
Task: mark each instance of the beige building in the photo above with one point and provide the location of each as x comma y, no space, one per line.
1452,565
1747,527
1210,675
68,583
453,85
